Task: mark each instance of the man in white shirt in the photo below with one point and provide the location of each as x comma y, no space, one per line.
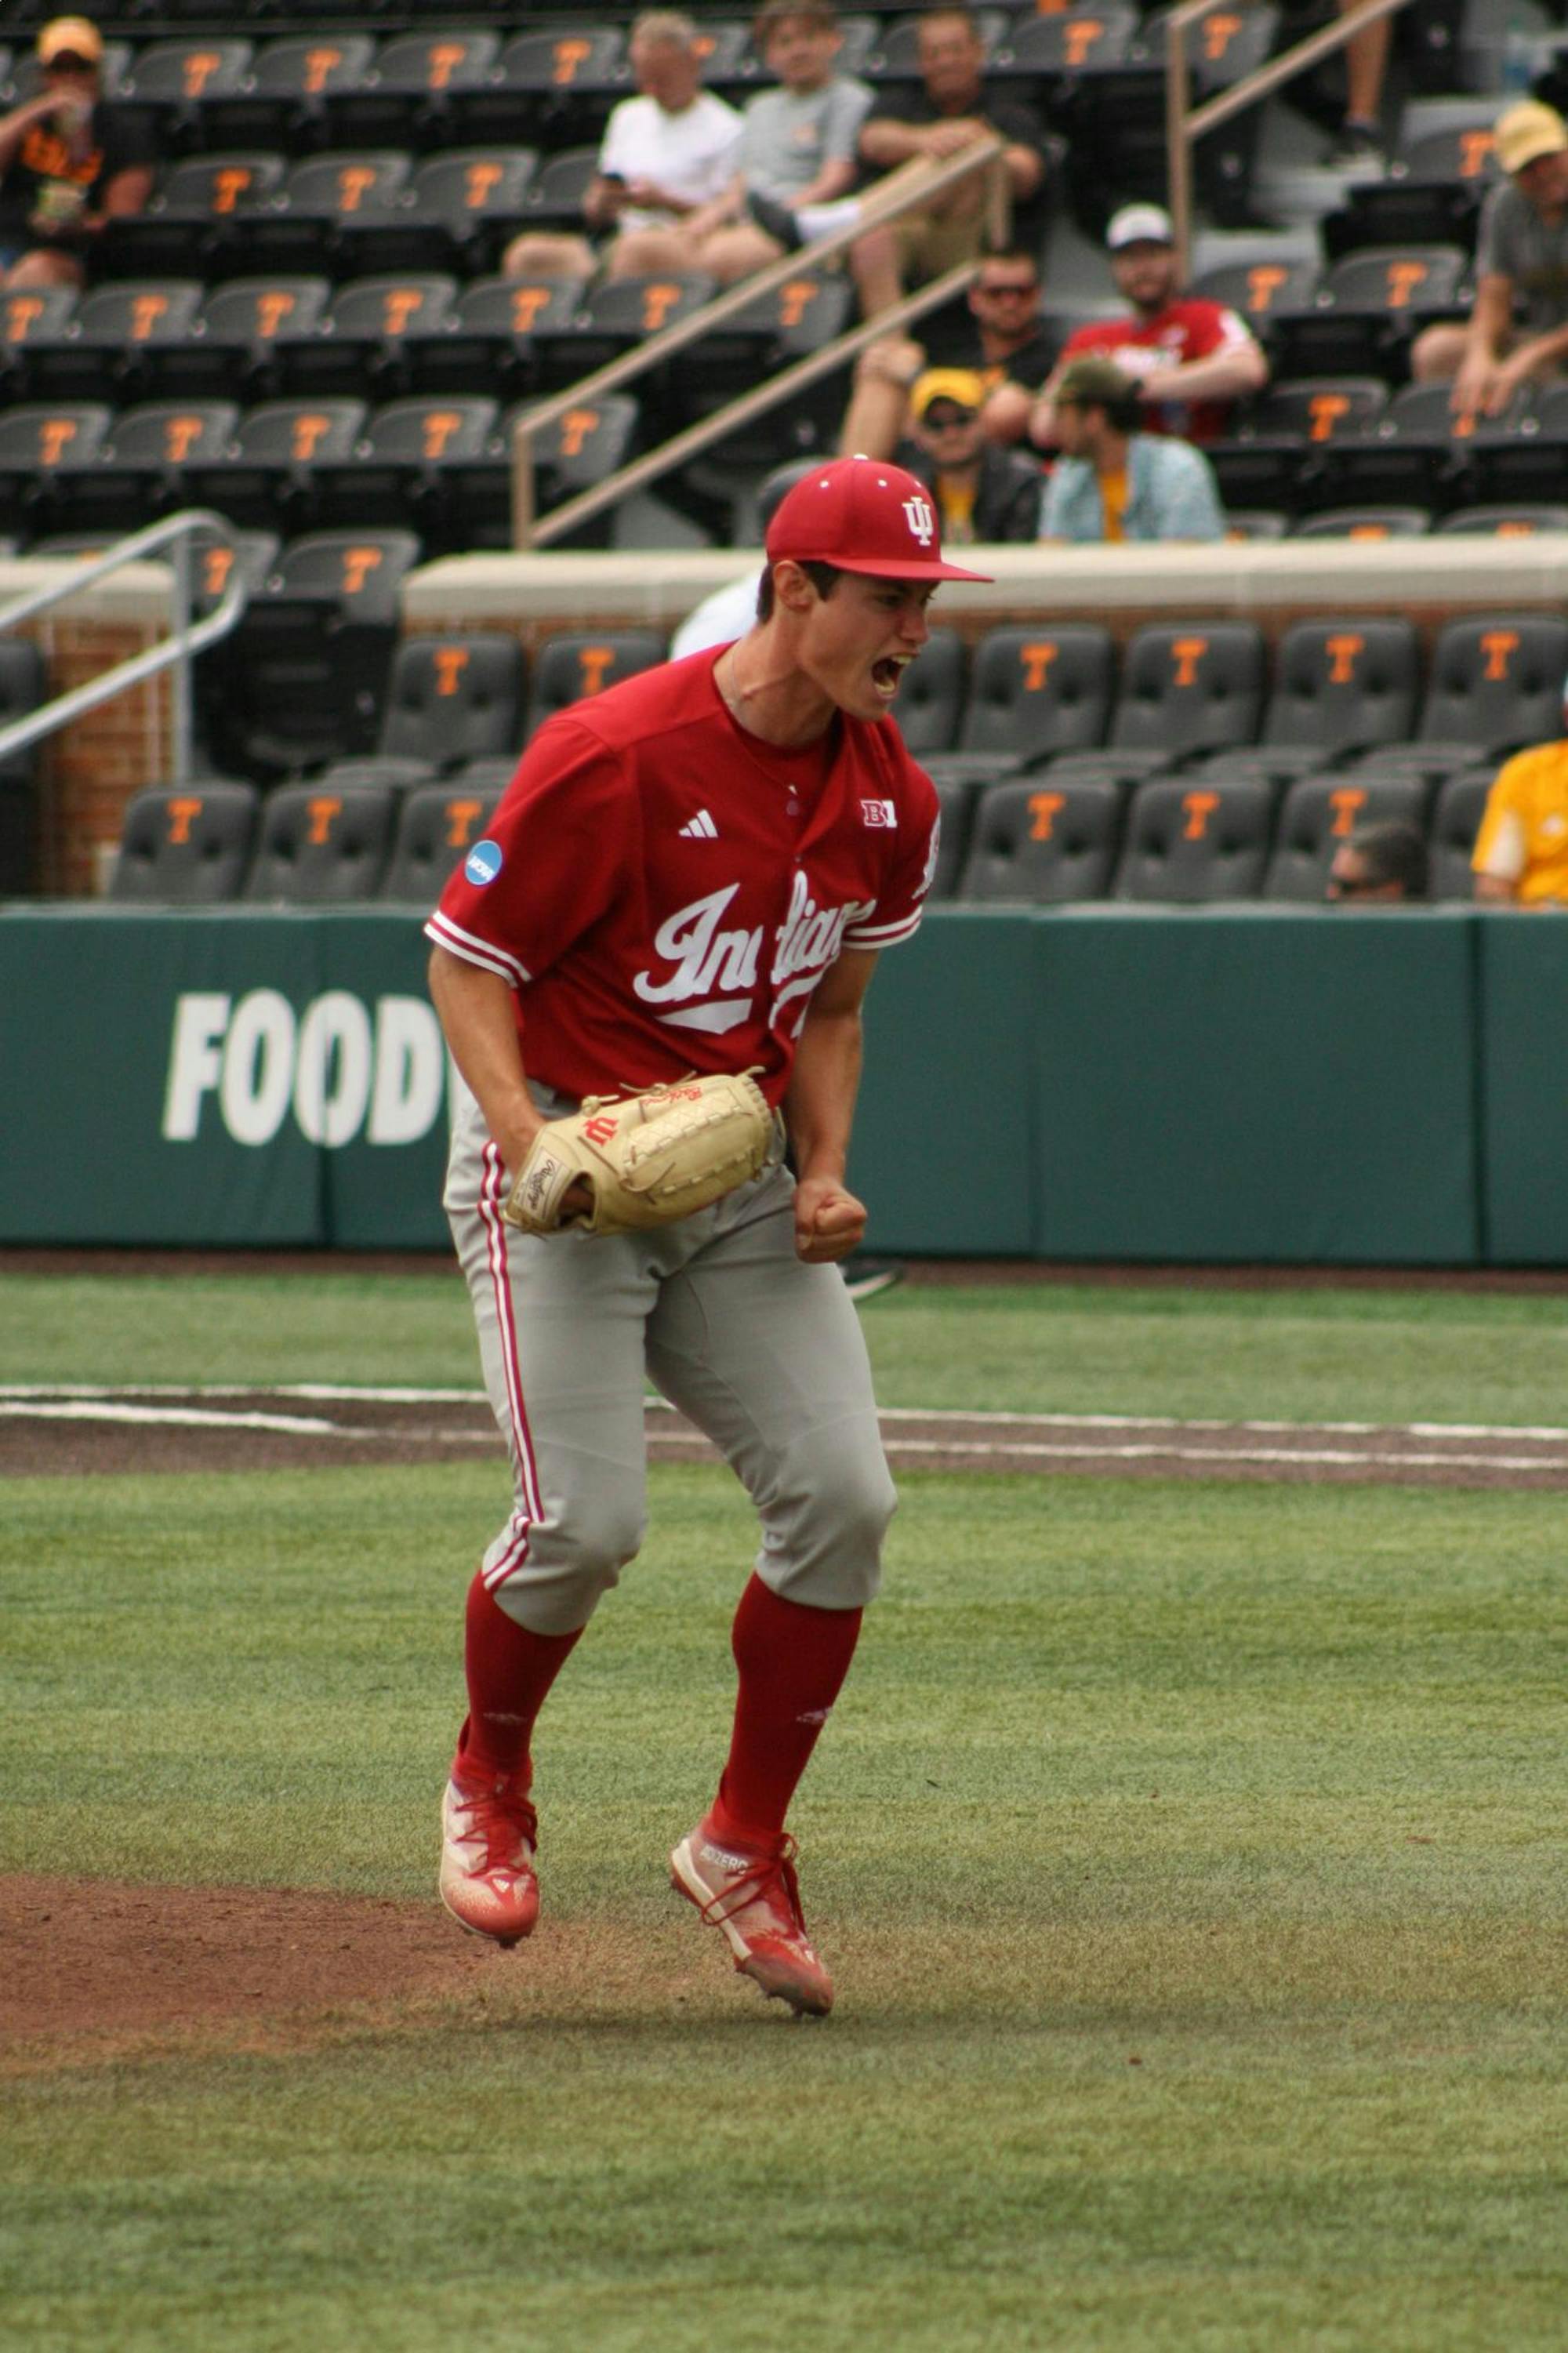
666,154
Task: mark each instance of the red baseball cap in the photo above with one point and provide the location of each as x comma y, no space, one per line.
863,515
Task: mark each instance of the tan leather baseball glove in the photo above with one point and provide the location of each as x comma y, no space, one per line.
645,1158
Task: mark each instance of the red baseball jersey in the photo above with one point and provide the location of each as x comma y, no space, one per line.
1191,328
664,890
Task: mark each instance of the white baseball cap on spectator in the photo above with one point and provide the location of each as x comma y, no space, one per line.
1139,225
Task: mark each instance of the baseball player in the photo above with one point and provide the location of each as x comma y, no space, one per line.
691,877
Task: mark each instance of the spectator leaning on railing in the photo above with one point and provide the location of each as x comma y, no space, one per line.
69,162
1112,482
1190,359
1002,337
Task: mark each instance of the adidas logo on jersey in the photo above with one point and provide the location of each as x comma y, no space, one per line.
701,829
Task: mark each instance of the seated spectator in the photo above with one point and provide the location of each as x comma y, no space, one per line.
981,492
1190,359
951,110
1002,337
1379,865
798,152
69,162
1517,332
1113,482
666,155
1521,857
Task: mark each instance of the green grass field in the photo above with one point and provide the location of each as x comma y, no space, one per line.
1190,1858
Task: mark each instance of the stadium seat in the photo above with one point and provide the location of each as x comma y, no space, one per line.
29,316
1256,523
1190,687
1341,684
568,667
1417,453
403,101
1364,522
399,775
356,346
437,825
614,317
555,87
956,810
553,198
1520,522
322,846
1523,456
1320,812
263,478
1495,681
139,472
454,698
187,845
297,233
1456,821
40,441
393,475
1035,692
585,444
302,678
281,102
170,82
487,336
1042,842
1189,844
1258,290
1360,320
1271,460
1433,193
230,350
931,694
459,212
192,223
24,684
98,353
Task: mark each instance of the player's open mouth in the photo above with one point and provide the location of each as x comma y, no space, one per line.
886,673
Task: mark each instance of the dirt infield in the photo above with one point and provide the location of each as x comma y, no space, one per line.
70,1432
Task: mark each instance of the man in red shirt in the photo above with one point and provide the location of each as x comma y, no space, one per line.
695,871
1190,359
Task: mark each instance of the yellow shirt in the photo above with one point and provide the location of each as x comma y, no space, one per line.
1114,503
956,497
1523,837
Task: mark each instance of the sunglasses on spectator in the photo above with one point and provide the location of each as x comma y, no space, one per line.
1021,287
943,419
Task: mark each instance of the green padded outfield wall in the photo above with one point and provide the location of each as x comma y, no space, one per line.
1296,1085
1524,977
1256,1083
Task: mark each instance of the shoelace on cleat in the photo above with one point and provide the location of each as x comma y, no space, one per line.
754,1883
500,1818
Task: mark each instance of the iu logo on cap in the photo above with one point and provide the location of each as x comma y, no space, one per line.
922,519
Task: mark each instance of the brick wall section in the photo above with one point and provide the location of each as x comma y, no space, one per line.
88,771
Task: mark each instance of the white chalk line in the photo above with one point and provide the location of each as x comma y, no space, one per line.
342,1393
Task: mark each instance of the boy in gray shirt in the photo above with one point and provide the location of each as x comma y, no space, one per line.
798,149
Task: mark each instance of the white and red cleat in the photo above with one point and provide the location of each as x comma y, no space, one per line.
488,1831
755,1900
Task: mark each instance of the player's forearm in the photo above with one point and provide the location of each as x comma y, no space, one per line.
819,1104
475,1009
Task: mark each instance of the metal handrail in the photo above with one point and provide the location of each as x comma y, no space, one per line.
188,637
1185,123
909,184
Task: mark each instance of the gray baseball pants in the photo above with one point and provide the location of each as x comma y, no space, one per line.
763,1354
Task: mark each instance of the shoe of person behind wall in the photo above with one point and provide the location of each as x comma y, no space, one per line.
489,1832
1357,148
775,220
755,1901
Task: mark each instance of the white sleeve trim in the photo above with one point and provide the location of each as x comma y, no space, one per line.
447,935
882,935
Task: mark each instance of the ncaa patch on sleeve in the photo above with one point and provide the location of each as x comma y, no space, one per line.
483,862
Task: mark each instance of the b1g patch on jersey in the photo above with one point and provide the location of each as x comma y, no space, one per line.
483,862
881,813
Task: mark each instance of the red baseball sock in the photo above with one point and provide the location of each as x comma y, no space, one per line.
793,1660
509,1671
